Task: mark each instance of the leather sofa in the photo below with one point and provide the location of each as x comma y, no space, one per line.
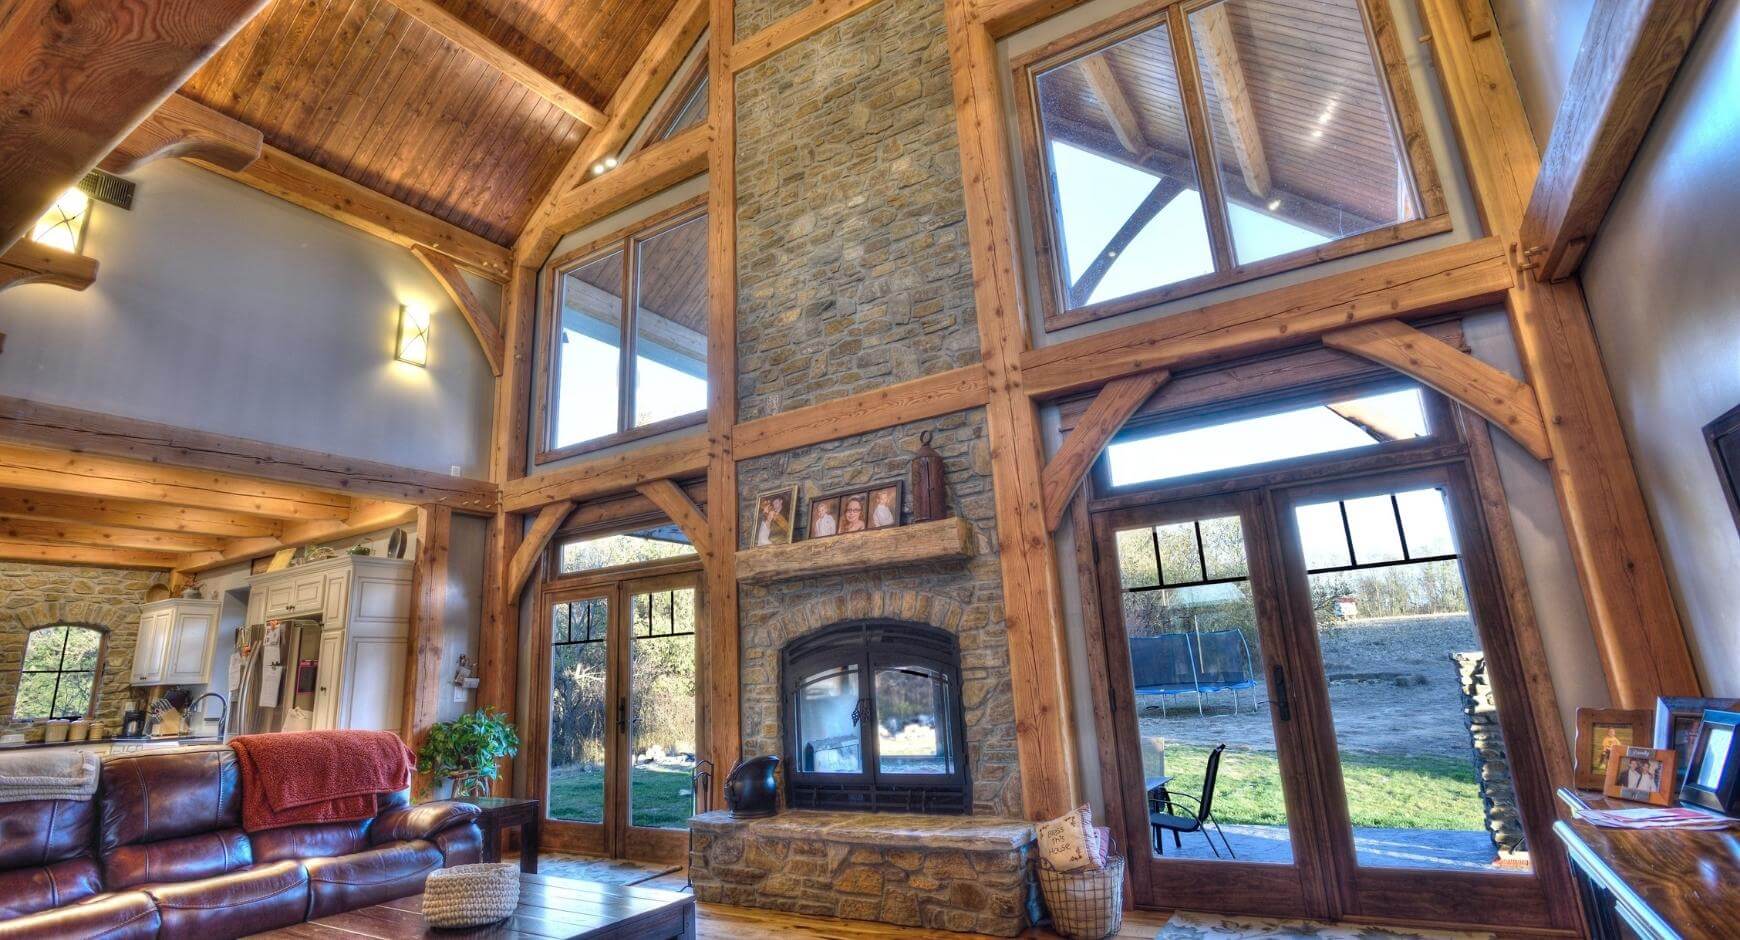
160,852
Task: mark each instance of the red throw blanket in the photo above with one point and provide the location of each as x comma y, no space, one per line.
298,777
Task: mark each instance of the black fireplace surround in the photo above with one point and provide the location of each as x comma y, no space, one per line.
895,742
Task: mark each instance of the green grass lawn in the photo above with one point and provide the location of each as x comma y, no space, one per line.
656,797
1383,791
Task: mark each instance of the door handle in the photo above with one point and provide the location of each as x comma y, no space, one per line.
1281,706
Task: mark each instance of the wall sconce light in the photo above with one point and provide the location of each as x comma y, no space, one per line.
63,225
413,346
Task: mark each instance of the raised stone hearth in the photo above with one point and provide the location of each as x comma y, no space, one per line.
968,874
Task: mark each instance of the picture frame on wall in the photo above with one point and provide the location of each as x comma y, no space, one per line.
1640,774
774,515
1723,437
1677,721
1598,731
1713,779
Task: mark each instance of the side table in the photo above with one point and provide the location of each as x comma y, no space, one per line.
506,812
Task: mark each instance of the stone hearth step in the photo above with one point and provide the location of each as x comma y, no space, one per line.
965,873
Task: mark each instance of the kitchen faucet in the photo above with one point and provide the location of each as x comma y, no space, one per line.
223,715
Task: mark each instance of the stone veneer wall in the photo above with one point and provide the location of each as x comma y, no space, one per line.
44,595
853,265
753,16
1491,762
964,598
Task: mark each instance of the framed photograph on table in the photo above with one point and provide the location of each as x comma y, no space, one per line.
1677,720
1640,774
1715,770
1599,730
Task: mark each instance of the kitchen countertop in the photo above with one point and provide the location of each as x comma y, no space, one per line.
112,742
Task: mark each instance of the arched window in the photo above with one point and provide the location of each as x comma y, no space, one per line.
59,675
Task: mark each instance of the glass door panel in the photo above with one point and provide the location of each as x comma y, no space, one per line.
912,713
661,707
828,712
579,738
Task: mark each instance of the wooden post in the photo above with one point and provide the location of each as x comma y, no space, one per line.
1038,662
428,603
1631,608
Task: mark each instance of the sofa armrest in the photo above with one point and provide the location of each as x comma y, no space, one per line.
421,821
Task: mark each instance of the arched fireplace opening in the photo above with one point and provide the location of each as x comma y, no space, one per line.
872,720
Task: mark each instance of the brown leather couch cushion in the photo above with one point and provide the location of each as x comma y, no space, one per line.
352,881
40,887
317,841
129,915
202,856
461,845
242,902
45,855
421,822
155,796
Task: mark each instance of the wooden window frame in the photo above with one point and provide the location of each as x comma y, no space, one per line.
627,240
1407,124
96,671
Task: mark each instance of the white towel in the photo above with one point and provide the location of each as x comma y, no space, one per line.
54,773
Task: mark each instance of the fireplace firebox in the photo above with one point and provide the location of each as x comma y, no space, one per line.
872,719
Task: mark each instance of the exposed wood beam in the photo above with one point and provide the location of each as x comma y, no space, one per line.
1486,390
86,555
129,514
182,127
19,528
657,168
1461,277
499,635
602,476
453,283
1158,198
43,425
1003,17
1045,735
676,504
792,30
531,550
360,521
1235,96
30,263
423,685
76,76
467,37
1067,468
303,184
913,400
633,100
1119,112
46,471
1631,51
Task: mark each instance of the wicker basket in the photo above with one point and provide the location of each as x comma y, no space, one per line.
1086,904
471,895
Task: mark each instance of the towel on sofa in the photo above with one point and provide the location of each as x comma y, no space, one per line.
56,773
293,778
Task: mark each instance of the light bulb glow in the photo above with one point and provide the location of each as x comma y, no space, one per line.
63,225
413,345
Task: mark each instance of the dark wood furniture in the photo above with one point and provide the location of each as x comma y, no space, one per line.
1652,883
507,812
550,909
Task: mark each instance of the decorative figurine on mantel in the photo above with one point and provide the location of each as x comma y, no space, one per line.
930,495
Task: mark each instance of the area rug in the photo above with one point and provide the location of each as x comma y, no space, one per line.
1190,926
615,871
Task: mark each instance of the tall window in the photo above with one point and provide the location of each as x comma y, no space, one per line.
59,675
628,347
1213,141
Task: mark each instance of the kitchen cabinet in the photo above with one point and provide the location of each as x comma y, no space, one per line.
176,640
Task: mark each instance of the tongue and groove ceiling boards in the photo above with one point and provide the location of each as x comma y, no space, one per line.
382,97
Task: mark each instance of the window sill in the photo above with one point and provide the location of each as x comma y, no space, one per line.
678,423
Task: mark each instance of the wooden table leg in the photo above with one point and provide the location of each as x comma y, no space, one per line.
529,846
491,839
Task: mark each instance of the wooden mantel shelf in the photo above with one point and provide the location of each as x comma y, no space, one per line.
943,540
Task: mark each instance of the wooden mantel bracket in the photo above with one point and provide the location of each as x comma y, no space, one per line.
525,560
1491,393
1064,473
483,326
182,127
673,502
30,263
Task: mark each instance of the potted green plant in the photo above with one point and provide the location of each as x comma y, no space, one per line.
466,750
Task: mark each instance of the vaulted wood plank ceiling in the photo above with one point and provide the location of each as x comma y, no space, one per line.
363,89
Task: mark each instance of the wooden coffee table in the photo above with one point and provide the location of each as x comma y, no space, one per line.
550,909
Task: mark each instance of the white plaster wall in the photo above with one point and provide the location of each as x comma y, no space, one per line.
221,308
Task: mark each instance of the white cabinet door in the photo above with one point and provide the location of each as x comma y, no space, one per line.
191,636
280,599
373,698
150,648
305,595
327,686
256,606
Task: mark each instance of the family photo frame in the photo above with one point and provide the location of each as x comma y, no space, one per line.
775,517
1677,721
1598,731
1640,774
1714,772
860,509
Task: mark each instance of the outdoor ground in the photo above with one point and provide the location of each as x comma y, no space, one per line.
1406,760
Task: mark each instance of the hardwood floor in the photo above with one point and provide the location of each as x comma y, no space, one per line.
719,922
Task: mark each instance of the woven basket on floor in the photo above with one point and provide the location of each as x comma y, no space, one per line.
471,895
1086,904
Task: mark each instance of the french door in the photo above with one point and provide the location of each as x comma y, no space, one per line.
1338,653
616,752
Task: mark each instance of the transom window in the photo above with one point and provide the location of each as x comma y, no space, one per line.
627,337
1213,141
58,678
592,553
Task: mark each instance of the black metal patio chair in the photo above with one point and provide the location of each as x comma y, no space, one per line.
1163,822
